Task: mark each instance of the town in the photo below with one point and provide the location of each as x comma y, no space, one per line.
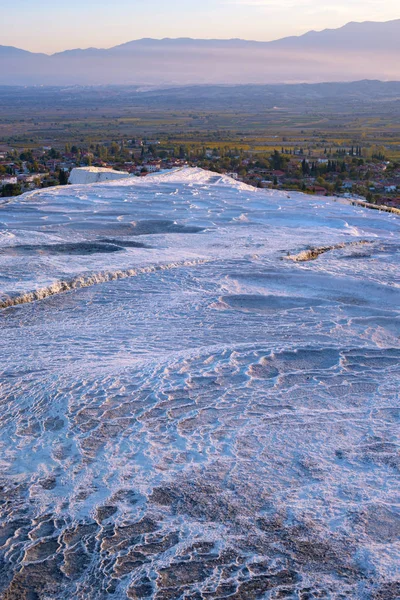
358,172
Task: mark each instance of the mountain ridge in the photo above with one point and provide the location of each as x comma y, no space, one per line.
345,53
210,41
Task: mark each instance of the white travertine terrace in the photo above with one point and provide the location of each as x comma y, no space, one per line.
95,175
186,413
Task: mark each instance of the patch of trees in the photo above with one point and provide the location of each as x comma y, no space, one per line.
11,189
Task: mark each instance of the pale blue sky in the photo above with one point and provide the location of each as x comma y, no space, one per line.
53,25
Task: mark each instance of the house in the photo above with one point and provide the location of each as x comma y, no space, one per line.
52,164
153,166
8,180
177,162
24,178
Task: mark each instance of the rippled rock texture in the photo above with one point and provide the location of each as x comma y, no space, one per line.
191,416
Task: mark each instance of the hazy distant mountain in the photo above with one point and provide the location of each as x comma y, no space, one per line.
6,51
368,36
356,51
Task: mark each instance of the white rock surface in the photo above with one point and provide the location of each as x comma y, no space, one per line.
199,393
95,175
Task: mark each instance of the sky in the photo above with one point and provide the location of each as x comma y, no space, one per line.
55,25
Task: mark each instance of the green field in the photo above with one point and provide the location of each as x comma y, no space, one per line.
34,117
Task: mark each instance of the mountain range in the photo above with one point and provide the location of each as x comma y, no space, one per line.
368,50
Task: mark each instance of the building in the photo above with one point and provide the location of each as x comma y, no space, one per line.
8,180
153,166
